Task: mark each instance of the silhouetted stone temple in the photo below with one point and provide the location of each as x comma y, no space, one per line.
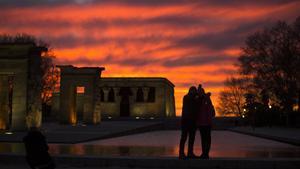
72,78
20,86
91,97
136,97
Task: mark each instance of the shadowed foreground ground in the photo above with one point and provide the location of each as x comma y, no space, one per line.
14,161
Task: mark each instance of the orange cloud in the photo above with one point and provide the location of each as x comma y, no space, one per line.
188,43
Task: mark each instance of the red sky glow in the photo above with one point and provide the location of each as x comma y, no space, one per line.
188,42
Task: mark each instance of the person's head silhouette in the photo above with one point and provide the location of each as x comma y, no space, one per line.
200,90
192,91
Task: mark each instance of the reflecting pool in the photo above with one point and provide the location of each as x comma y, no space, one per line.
165,143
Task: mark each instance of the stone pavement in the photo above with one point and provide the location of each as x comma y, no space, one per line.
285,135
56,133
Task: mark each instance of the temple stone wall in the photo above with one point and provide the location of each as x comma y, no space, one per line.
170,103
162,106
158,108
150,109
22,63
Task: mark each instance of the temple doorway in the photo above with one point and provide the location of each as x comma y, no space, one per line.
79,107
125,93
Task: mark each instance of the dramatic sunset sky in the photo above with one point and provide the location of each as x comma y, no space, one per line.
186,41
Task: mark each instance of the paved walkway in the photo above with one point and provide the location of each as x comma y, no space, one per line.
56,133
285,135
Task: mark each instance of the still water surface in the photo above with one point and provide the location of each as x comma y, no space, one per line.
165,143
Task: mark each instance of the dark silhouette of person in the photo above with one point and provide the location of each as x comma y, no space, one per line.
188,123
37,155
205,114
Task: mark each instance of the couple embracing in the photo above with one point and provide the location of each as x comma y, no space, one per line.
197,114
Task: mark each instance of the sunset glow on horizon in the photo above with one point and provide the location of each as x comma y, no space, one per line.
187,42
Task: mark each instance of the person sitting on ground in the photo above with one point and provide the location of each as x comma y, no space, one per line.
37,155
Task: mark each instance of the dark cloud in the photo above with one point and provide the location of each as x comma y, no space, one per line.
204,2
82,60
221,40
11,22
166,62
220,71
231,37
204,83
136,62
186,84
170,20
72,41
153,3
85,61
198,61
108,60
99,23
29,3
212,84
245,3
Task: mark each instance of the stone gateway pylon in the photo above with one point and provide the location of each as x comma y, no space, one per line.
20,86
83,80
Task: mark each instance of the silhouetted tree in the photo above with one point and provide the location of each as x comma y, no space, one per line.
50,77
231,99
271,58
50,74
